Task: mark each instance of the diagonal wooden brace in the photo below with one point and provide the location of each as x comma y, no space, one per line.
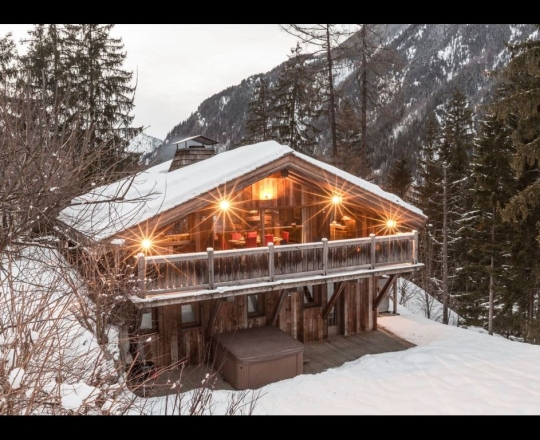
332,301
383,291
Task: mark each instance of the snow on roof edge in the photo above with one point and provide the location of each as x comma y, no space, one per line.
102,222
368,186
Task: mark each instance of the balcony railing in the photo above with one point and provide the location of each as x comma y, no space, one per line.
212,269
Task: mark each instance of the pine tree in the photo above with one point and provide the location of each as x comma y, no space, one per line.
427,196
488,263
400,178
294,105
258,125
456,150
8,55
45,61
352,157
372,58
327,37
104,94
518,105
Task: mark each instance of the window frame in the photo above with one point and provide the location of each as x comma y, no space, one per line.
196,310
140,316
260,305
316,297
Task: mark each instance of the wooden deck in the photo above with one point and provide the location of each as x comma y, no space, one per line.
318,357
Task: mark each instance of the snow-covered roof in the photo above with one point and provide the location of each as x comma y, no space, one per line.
156,190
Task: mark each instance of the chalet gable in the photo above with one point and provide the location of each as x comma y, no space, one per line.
158,196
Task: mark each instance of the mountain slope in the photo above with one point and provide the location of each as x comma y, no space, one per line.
435,61
145,145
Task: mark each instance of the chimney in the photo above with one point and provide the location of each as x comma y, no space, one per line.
191,150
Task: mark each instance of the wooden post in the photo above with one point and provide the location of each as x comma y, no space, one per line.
262,223
174,345
358,309
271,261
325,255
142,273
415,248
212,320
395,296
275,315
372,250
210,252
371,289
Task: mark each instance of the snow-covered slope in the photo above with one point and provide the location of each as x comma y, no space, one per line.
145,145
434,61
417,301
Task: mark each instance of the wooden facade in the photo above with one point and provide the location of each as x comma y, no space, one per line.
197,278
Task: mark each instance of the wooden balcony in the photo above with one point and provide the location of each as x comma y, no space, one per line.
182,278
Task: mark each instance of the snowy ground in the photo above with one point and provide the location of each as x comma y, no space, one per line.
452,370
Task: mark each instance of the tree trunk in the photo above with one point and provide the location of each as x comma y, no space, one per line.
332,108
363,110
491,280
445,247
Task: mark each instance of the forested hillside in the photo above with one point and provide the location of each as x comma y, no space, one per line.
430,113
411,70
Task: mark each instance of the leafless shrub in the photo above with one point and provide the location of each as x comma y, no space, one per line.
64,295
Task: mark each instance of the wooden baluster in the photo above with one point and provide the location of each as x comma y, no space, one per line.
142,274
372,236
271,261
325,255
415,248
210,252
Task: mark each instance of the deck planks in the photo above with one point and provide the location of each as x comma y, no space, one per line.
318,357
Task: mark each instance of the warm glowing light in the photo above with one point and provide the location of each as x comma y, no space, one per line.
391,223
336,199
267,188
146,243
224,205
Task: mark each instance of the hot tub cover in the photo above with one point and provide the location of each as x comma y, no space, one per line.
258,344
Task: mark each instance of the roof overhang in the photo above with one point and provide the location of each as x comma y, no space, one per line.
199,138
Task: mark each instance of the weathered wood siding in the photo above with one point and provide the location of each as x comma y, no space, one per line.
177,344
187,156
355,307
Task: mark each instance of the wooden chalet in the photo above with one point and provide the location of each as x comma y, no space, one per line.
244,257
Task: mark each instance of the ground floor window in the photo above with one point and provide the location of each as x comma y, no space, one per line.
255,305
312,296
190,315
